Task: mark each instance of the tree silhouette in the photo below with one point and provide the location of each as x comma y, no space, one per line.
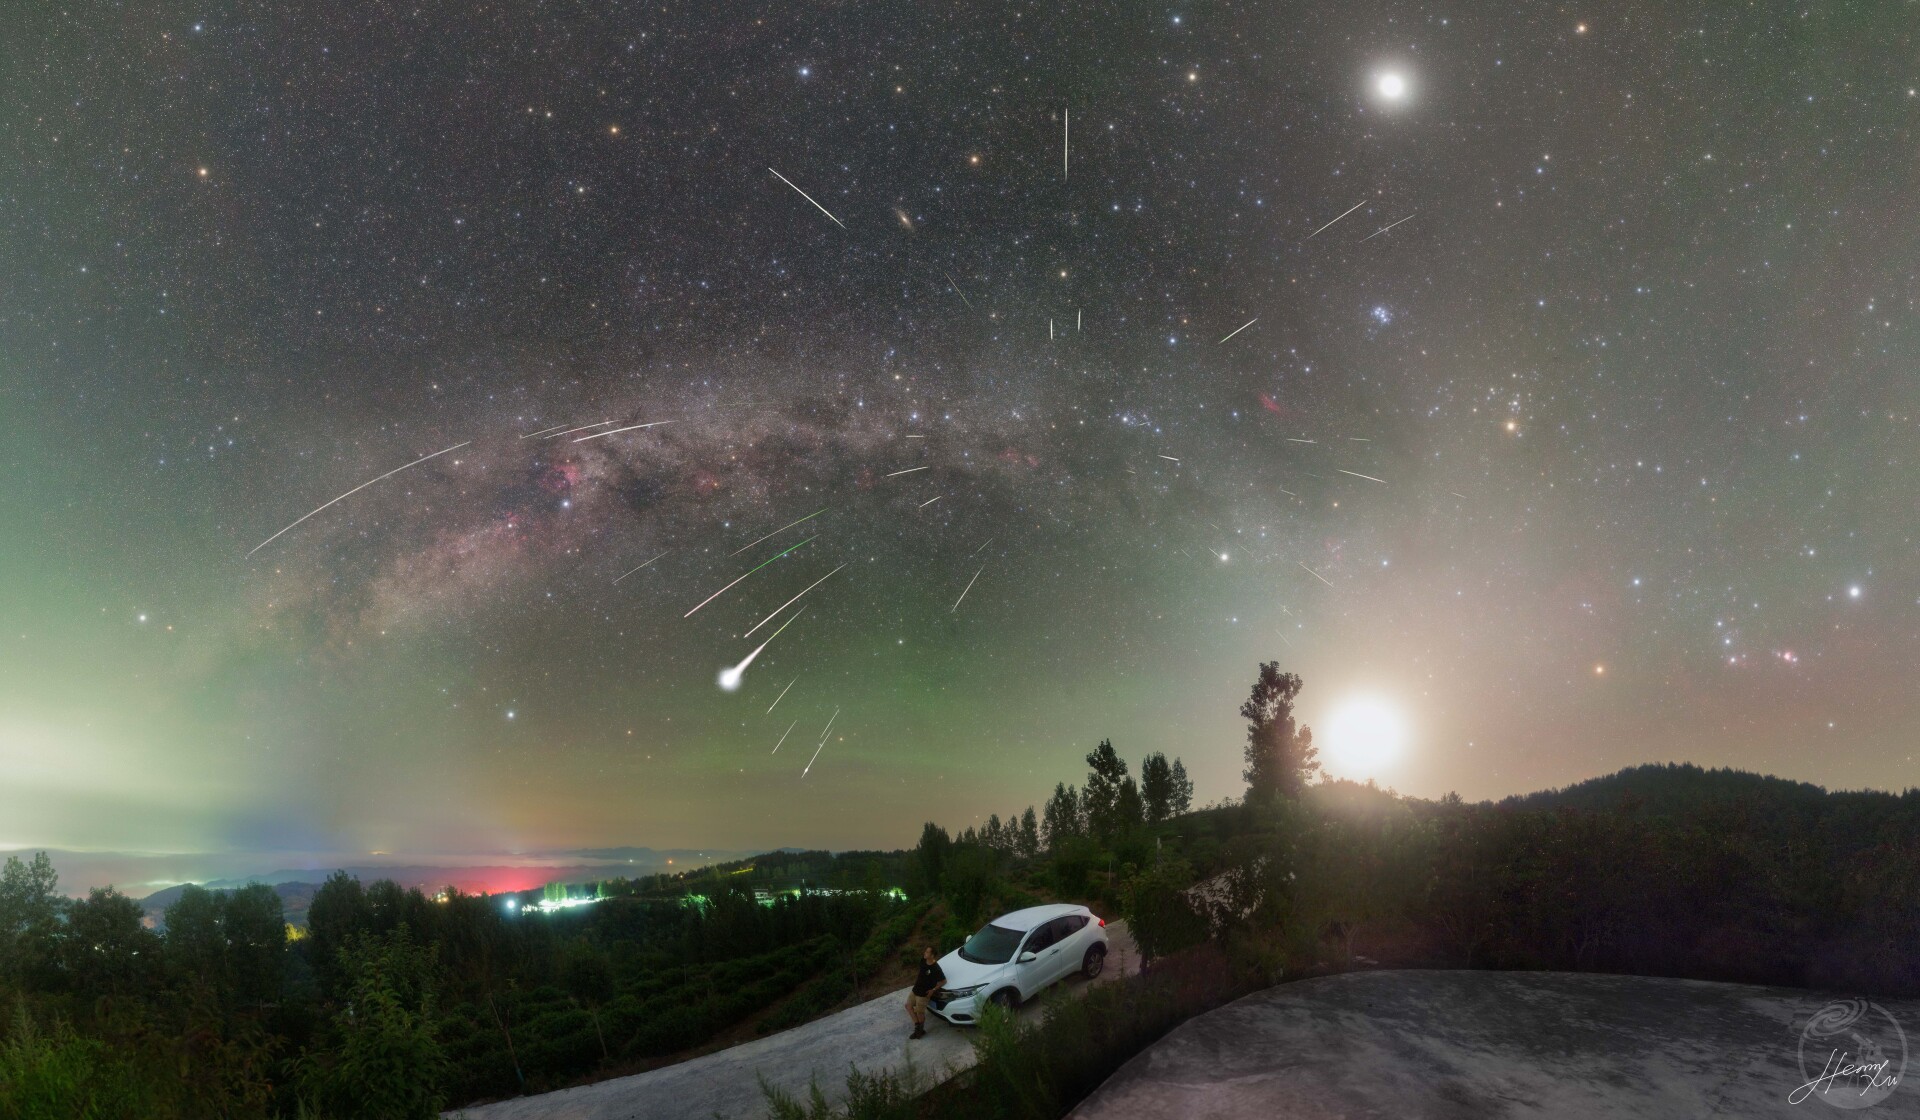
1280,758
1181,800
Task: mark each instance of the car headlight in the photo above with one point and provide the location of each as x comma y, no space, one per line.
962,993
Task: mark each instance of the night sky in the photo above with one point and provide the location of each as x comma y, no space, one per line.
1604,454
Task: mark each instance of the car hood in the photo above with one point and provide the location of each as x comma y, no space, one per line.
963,973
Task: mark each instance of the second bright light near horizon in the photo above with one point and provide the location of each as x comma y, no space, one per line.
1365,735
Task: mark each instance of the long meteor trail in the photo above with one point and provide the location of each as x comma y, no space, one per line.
963,594
762,564
823,742
1357,474
359,488
1241,327
1317,575
787,604
582,428
1383,229
909,470
543,431
809,198
617,431
782,696
784,734
617,579
1322,229
780,530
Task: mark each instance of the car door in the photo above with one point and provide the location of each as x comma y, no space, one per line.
1070,945
1035,974
1054,962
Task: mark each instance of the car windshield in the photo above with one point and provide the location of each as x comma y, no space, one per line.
992,945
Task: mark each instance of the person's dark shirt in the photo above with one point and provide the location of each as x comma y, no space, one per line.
930,978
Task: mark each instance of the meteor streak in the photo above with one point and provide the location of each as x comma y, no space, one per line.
963,594
929,501
730,678
1383,229
582,428
956,290
782,696
784,606
1322,229
542,431
787,732
617,431
1170,458
909,470
359,488
981,549
762,564
1290,439
619,578
780,530
1357,474
823,742
1317,575
809,198
1242,327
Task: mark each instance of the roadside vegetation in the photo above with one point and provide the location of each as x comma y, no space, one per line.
392,1004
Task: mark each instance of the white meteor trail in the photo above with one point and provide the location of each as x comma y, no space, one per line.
730,678
543,431
1066,138
782,696
1383,229
1322,229
762,564
619,578
823,743
784,734
1368,477
909,470
981,549
359,488
787,604
963,594
1242,327
1317,575
1170,458
582,428
1290,439
809,198
617,431
780,530
956,290
929,501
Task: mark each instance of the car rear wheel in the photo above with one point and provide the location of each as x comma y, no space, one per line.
1007,998
1095,962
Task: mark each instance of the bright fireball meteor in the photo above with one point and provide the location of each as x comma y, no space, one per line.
730,678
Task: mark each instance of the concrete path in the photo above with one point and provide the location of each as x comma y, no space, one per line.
870,1037
1488,1045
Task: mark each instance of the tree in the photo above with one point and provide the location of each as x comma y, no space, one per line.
1100,800
30,906
339,911
992,836
1159,914
932,854
1180,800
1063,817
1028,844
386,1062
256,931
106,950
1156,787
1280,757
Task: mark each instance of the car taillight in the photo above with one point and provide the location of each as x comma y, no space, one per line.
1102,921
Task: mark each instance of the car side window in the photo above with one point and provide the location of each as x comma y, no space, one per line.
1041,939
1076,923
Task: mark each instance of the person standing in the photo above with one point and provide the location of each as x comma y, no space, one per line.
924,985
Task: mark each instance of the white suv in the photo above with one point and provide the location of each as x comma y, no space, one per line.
1016,955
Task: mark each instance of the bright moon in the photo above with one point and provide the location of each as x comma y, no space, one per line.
1392,86
1363,736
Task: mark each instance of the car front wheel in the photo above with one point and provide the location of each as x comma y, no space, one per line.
1007,998
1096,960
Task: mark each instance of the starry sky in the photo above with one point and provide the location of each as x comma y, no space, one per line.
1583,436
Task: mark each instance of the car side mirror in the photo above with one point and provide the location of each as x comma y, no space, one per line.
1027,957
